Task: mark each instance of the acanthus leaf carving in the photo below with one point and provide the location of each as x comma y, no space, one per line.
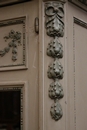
55,70
55,48
56,90
54,24
56,111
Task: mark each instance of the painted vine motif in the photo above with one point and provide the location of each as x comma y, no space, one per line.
15,40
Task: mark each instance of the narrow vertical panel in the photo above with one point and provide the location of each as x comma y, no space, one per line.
80,74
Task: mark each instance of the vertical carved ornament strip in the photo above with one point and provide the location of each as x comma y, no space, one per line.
54,12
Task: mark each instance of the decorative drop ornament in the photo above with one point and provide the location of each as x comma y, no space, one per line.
55,70
56,90
54,12
55,48
56,111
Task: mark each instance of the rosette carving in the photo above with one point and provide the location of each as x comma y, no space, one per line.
55,48
56,111
54,24
55,70
56,90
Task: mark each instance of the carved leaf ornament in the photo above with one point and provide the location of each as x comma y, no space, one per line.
15,38
56,111
55,70
56,90
54,12
55,48
54,24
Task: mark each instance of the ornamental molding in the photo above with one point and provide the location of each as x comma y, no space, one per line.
55,48
16,89
10,2
80,3
56,90
13,44
63,1
55,70
54,14
56,111
82,24
18,86
15,40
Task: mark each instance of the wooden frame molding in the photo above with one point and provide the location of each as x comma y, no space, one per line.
80,4
10,2
23,87
55,0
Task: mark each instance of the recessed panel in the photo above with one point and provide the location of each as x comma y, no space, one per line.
80,74
12,43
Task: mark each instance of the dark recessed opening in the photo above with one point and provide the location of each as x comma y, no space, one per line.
10,110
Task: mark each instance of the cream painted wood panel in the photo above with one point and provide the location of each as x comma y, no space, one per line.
76,29
25,74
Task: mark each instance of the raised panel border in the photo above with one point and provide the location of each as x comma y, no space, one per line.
23,87
14,21
79,4
80,22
